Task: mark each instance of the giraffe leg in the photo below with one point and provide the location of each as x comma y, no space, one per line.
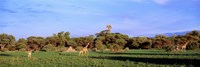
80,53
86,53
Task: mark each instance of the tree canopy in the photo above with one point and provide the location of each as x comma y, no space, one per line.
100,41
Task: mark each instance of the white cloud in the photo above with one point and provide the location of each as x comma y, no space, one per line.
161,2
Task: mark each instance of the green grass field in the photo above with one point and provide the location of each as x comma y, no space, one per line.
131,58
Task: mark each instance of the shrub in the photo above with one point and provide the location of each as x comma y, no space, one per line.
110,46
116,47
127,48
49,47
61,48
20,46
22,49
168,48
193,46
10,48
101,47
145,45
79,48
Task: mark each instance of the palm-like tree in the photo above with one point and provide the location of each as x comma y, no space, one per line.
108,28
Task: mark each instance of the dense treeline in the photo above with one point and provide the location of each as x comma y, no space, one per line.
100,41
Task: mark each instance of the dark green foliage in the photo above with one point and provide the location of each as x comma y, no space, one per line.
21,44
35,43
71,43
49,47
193,46
116,47
113,41
79,48
102,41
6,41
169,48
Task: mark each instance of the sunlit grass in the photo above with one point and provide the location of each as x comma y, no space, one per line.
98,59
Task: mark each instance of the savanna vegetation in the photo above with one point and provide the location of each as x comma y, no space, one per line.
100,41
130,58
105,49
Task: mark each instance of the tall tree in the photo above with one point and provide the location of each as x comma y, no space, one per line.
159,41
36,42
132,43
193,37
21,44
6,40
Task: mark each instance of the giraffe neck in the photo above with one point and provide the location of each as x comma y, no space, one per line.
87,45
185,43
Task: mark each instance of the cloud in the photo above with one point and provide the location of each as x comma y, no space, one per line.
7,10
162,2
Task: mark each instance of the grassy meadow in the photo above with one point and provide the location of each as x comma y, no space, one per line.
130,58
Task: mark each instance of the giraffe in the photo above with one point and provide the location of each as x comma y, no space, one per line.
183,47
84,51
30,53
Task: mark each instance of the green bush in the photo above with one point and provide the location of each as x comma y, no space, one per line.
109,46
79,48
193,46
168,48
101,47
22,49
20,46
61,48
116,47
49,47
126,49
10,48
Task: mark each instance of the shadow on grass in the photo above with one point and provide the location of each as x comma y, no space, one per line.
171,61
166,54
68,54
5,55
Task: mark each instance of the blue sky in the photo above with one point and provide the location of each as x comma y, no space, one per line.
23,18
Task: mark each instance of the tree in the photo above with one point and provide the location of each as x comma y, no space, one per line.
82,41
36,43
194,38
21,44
71,43
132,43
116,47
120,42
111,40
66,35
52,40
49,47
144,42
193,33
63,37
6,40
159,41
99,45
140,42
